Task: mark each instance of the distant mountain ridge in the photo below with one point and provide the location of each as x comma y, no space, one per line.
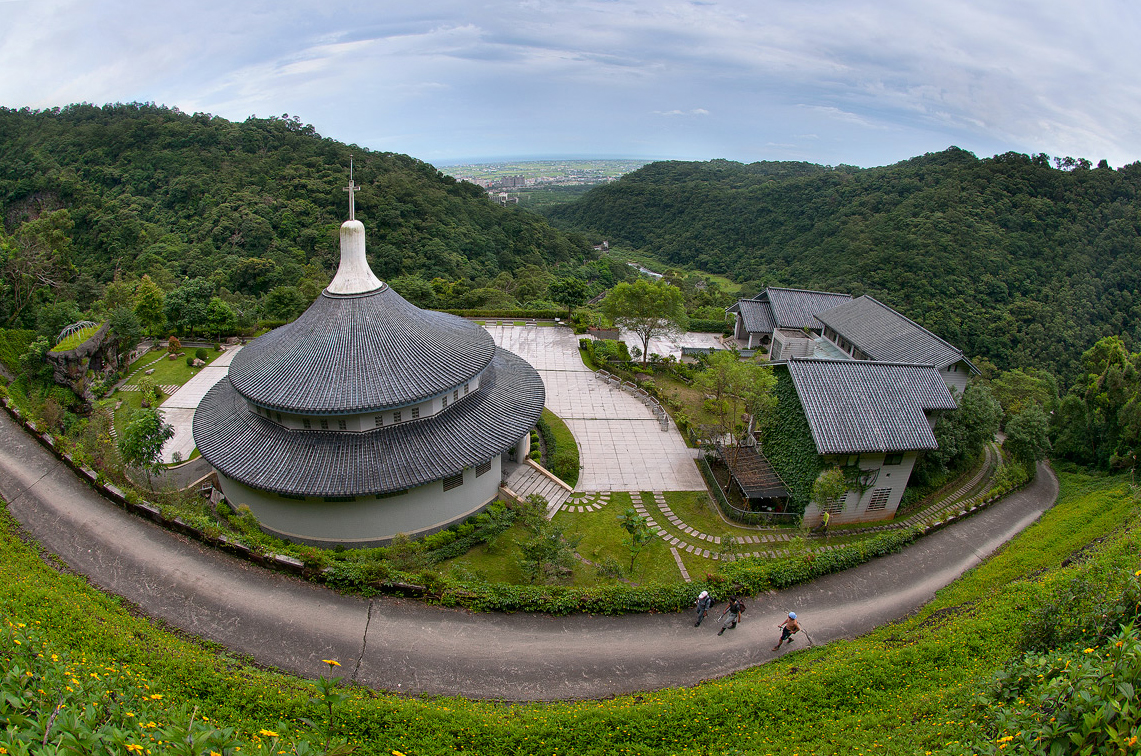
151,189
1010,257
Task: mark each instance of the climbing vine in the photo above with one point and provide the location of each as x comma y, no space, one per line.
788,445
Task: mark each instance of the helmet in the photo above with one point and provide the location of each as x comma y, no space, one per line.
792,615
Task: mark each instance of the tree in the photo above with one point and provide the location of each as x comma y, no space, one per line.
963,433
569,292
284,303
547,551
150,306
142,441
186,305
737,387
34,363
126,331
646,309
220,318
828,486
36,260
1027,435
639,533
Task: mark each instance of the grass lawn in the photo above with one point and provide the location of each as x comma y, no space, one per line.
601,537
167,372
77,338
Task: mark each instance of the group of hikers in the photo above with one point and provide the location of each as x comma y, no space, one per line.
732,615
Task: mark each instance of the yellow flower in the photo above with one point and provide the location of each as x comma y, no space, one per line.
332,662
157,696
1088,651
397,753
134,748
267,733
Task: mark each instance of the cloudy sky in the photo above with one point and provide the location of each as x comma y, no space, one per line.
864,82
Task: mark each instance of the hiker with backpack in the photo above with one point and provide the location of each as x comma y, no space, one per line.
704,604
731,615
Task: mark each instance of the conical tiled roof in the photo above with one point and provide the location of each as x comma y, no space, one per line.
359,353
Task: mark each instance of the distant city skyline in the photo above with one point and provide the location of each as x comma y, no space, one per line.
825,81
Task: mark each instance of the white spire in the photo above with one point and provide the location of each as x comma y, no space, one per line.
354,276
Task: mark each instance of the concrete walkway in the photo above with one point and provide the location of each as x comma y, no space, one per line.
405,646
178,410
622,446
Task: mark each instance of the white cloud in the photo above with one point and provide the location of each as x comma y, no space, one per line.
859,80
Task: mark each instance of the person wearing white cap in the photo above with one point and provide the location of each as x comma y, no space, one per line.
704,603
788,628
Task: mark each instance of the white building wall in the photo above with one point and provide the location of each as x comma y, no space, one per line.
956,377
858,508
367,521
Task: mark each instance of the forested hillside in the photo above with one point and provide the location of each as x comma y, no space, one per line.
239,209
1015,258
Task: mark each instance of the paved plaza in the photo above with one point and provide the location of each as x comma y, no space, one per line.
178,410
621,444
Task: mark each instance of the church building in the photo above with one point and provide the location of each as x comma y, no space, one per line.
367,417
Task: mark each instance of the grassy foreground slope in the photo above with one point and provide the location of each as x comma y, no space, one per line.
897,690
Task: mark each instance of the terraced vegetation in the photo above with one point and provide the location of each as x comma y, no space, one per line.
911,687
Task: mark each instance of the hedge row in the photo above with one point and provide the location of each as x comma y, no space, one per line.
701,325
562,451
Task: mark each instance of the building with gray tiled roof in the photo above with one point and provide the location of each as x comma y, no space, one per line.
776,308
867,329
367,417
871,419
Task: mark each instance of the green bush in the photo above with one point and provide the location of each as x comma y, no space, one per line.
201,354
701,325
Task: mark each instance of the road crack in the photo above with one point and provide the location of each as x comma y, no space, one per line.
364,643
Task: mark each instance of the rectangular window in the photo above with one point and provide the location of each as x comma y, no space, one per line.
853,460
278,417
893,459
836,506
342,425
415,413
456,395
340,498
396,416
379,420
292,496
390,494
483,468
445,401
466,387
454,481
879,499
324,425
306,424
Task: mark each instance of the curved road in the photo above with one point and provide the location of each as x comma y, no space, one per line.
405,646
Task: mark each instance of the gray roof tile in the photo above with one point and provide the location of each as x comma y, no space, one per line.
248,448
358,353
796,308
886,336
861,406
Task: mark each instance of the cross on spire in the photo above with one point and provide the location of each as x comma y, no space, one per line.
352,188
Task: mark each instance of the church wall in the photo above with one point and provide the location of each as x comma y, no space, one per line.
368,521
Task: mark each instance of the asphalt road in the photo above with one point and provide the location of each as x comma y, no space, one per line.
405,646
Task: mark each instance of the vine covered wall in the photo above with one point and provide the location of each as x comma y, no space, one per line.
788,445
